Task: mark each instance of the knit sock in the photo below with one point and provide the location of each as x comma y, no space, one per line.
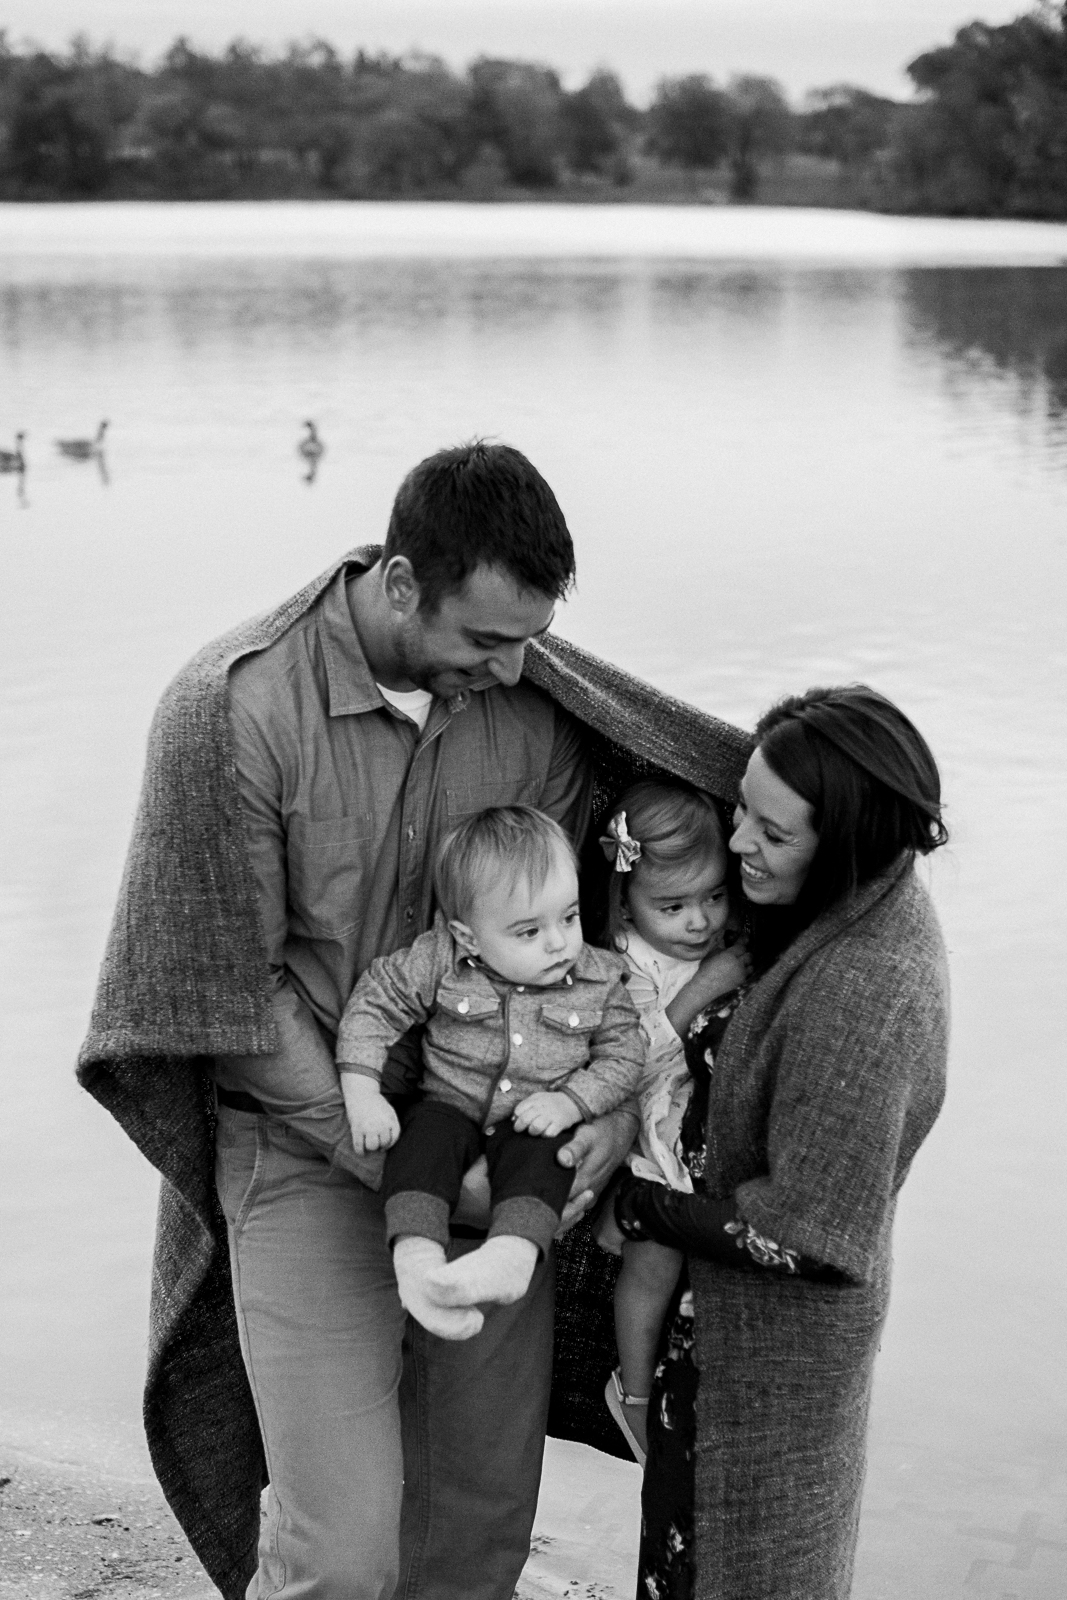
414,1261
500,1270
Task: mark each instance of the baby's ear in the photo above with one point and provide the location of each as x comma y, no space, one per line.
463,936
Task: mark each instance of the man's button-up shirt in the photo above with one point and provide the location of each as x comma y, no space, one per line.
345,803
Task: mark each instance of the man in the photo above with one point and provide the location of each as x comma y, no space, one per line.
388,711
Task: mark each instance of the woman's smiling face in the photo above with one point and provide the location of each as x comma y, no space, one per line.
773,835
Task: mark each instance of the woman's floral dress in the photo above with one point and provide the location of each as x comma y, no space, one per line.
665,1568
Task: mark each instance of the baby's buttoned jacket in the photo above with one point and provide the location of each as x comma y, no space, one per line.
489,1043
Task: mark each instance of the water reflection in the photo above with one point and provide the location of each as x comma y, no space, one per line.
1014,320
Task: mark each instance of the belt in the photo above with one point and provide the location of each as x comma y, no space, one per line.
237,1100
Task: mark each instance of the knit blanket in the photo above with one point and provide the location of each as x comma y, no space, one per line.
185,977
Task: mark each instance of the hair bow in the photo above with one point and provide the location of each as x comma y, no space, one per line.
618,846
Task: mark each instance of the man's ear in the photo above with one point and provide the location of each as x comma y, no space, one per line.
400,586
464,937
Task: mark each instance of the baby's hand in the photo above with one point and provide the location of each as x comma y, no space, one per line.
546,1114
725,970
374,1123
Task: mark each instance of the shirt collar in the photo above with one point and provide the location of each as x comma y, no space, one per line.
349,680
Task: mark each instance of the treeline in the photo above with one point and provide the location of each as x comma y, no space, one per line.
986,135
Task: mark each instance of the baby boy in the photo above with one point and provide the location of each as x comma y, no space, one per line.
527,1031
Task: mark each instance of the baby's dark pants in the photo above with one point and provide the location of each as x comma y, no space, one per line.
438,1143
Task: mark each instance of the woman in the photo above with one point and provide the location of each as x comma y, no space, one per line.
826,1079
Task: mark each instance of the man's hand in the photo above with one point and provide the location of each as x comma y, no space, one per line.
595,1152
373,1121
546,1113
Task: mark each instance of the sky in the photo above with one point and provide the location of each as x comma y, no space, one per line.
802,43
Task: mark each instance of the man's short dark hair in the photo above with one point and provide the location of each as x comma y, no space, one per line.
479,505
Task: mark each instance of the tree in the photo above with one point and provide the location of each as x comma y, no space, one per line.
760,125
989,135
64,118
596,125
688,122
844,123
518,108
409,125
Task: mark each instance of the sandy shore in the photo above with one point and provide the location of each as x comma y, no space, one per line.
67,1533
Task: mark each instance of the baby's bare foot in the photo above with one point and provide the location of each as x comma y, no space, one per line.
415,1261
499,1270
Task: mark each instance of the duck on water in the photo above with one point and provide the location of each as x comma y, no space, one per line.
13,460
83,449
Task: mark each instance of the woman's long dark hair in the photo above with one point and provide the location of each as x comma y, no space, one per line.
872,784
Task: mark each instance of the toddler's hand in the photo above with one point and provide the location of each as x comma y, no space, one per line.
725,970
374,1123
546,1114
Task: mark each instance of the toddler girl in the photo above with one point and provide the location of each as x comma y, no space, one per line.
668,910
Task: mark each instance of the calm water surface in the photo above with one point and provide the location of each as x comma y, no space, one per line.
792,448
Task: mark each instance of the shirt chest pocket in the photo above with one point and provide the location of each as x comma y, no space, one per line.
570,1026
467,1027
330,867
466,1009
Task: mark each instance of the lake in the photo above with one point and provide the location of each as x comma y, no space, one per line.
793,448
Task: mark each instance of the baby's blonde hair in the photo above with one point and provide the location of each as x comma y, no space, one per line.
516,842
675,823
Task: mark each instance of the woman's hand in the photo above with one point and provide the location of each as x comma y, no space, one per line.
596,1151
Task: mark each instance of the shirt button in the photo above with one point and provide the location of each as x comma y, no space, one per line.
464,1006
505,1085
520,988
408,914
516,1038
573,1020
411,834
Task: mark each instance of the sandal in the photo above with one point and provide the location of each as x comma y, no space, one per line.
617,1399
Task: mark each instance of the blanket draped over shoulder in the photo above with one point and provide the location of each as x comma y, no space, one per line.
185,978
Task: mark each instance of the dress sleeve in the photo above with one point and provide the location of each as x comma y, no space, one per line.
664,1044
711,1229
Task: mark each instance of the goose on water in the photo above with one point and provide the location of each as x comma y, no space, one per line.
83,449
13,460
311,446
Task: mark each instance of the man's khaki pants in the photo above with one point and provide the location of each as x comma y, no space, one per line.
401,1464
